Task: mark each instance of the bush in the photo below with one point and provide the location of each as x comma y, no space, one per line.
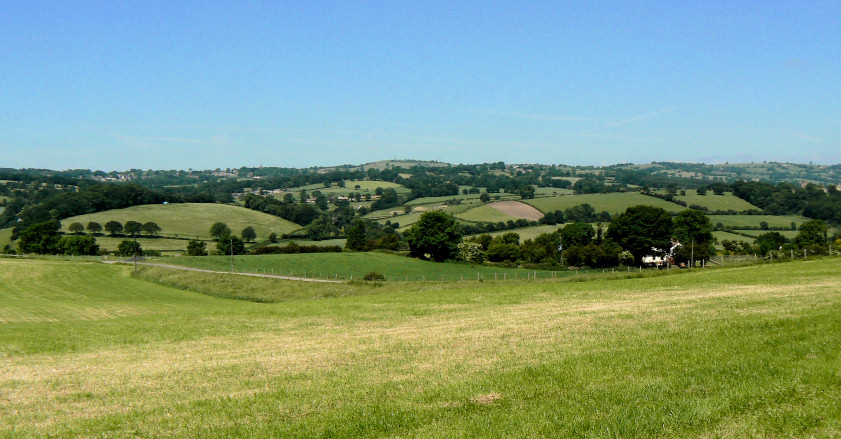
469,251
374,276
129,248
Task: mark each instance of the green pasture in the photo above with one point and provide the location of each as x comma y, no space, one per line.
191,220
529,232
790,234
722,236
91,351
551,191
366,186
713,202
355,265
161,244
614,203
737,221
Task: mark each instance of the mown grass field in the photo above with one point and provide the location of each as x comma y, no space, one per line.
727,201
614,203
90,351
191,219
485,213
355,265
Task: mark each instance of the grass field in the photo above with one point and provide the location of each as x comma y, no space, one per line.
356,265
365,186
736,221
721,236
613,203
727,201
790,234
749,352
192,219
529,232
161,244
485,213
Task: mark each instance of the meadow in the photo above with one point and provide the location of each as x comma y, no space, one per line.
726,201
191,220
739,221
613,203
91,351
355,265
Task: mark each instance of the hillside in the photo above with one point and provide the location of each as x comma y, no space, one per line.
191,220
613,203
91,351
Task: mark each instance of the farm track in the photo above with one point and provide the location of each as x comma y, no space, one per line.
271,276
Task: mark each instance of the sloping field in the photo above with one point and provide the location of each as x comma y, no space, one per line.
727,201
721,236
613,203
89,351
355,265
500,211
529,232
517,210
737,221
192,219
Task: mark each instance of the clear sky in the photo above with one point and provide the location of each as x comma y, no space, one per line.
114,85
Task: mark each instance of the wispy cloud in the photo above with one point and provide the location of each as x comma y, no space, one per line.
642,117
799,136
537,116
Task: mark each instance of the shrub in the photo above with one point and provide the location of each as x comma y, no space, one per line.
374,276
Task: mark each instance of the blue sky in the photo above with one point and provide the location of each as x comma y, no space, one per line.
115,85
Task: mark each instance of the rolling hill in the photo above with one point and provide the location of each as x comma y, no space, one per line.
191,220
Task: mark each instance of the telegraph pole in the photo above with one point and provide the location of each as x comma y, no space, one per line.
232,254
692,255
135,252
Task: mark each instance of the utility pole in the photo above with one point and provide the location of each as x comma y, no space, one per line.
692,255
232,254
135,253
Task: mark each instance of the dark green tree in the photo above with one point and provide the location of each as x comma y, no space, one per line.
435,236
527,192
129,248
196,248
273,237
248,234
576,234
693,226
770,241
356,236
76,228
78,245
132,228
321,202
219,230
484,197
811,233
223,247
94,227
113,227
41,238
151,228
640,229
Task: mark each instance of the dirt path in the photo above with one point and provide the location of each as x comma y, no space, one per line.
517,210
272,276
